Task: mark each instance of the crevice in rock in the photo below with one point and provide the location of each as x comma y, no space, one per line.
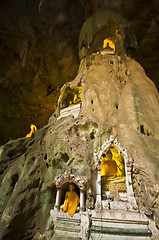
144,131
45,156
14,179
65,157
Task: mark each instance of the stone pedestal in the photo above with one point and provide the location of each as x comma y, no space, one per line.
72,110
119,224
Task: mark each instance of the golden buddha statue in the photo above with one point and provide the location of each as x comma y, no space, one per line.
71,201
112,173
108,165
76,96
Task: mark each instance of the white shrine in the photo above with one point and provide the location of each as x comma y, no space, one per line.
108,207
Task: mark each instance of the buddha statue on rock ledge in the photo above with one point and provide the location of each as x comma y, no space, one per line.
71,201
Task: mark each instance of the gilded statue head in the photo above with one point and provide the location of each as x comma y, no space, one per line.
109,154
71,186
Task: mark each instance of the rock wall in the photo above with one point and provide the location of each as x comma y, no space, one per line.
117,99
39,43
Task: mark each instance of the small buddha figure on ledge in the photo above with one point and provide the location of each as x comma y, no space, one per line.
108,47
77,96
71,201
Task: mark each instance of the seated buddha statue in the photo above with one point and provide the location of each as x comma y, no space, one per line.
108,47
71,201
108,165
76,96
112,174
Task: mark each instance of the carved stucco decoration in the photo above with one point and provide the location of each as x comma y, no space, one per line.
107,144
69,177
128,165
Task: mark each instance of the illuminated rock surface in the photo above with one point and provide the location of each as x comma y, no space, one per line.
119,101
39,43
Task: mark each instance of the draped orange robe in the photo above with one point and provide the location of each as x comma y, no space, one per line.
71,202
108,168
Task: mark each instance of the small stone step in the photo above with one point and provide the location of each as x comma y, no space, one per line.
67,227
73,221
68,234
62,237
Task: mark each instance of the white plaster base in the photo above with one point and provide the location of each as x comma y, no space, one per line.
102,223
115,237
119,220
72,110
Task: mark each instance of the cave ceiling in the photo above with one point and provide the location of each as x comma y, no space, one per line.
39,53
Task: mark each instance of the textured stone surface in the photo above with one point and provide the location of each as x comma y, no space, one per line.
122,102
39,52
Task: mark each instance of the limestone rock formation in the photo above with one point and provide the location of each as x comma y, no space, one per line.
117,99
110,100
39,43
